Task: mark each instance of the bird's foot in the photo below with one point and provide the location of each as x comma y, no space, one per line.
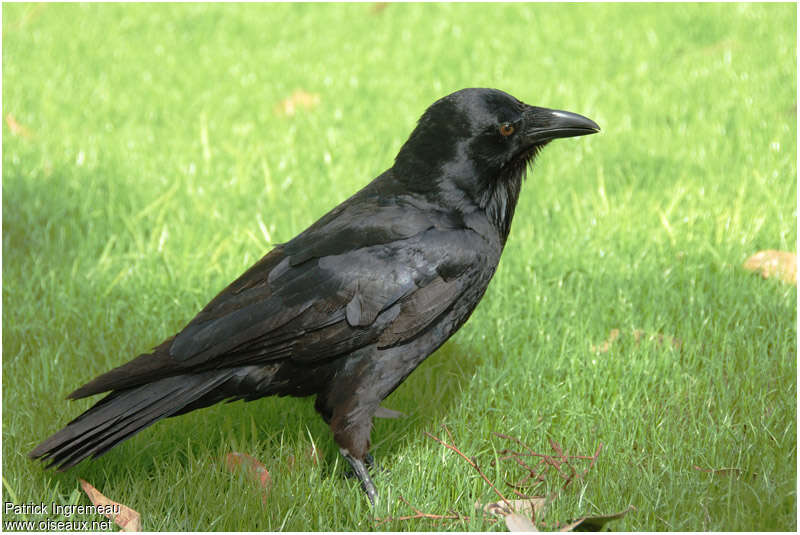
371,465
359,470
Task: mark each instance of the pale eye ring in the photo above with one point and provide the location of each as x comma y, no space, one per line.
506,129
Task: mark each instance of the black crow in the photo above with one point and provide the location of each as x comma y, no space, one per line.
350,307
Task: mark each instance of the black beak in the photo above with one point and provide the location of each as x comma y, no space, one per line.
543,125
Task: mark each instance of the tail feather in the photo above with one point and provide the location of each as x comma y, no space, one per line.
140,371
123,413
76,446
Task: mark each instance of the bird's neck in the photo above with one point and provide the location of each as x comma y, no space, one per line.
488,209
491,194
498,202
453,180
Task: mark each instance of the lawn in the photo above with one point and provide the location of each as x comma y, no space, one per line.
153,152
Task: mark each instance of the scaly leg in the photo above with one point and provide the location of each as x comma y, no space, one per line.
360,470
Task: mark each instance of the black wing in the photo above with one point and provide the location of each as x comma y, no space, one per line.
333,297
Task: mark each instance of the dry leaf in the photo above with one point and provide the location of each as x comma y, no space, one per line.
494,508
16,128
298,100
571,525
524,507
606,345
529,506
518,517
771,263
126,518
378,7
518,522
596,522
638,337
255,470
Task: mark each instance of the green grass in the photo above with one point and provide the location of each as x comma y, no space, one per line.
154,169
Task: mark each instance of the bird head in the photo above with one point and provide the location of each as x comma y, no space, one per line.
471,149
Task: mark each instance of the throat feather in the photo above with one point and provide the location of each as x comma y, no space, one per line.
500,196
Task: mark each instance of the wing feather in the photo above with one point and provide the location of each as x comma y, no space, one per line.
318,299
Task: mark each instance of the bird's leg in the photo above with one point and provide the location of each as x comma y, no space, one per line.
350,418
371,464
360,470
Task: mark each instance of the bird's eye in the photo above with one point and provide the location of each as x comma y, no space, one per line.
506,129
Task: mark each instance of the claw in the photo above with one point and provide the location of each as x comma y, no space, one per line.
371,464
360,471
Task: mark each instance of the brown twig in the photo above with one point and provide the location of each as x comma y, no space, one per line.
593,459
419,514
518,441
555,464
518,493
520,484
470,461
520,454
555,461
532,474
553,444
569,479
538,478
522,463
557,448
523,483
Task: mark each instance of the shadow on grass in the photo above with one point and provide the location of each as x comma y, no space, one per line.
275,428
425,397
